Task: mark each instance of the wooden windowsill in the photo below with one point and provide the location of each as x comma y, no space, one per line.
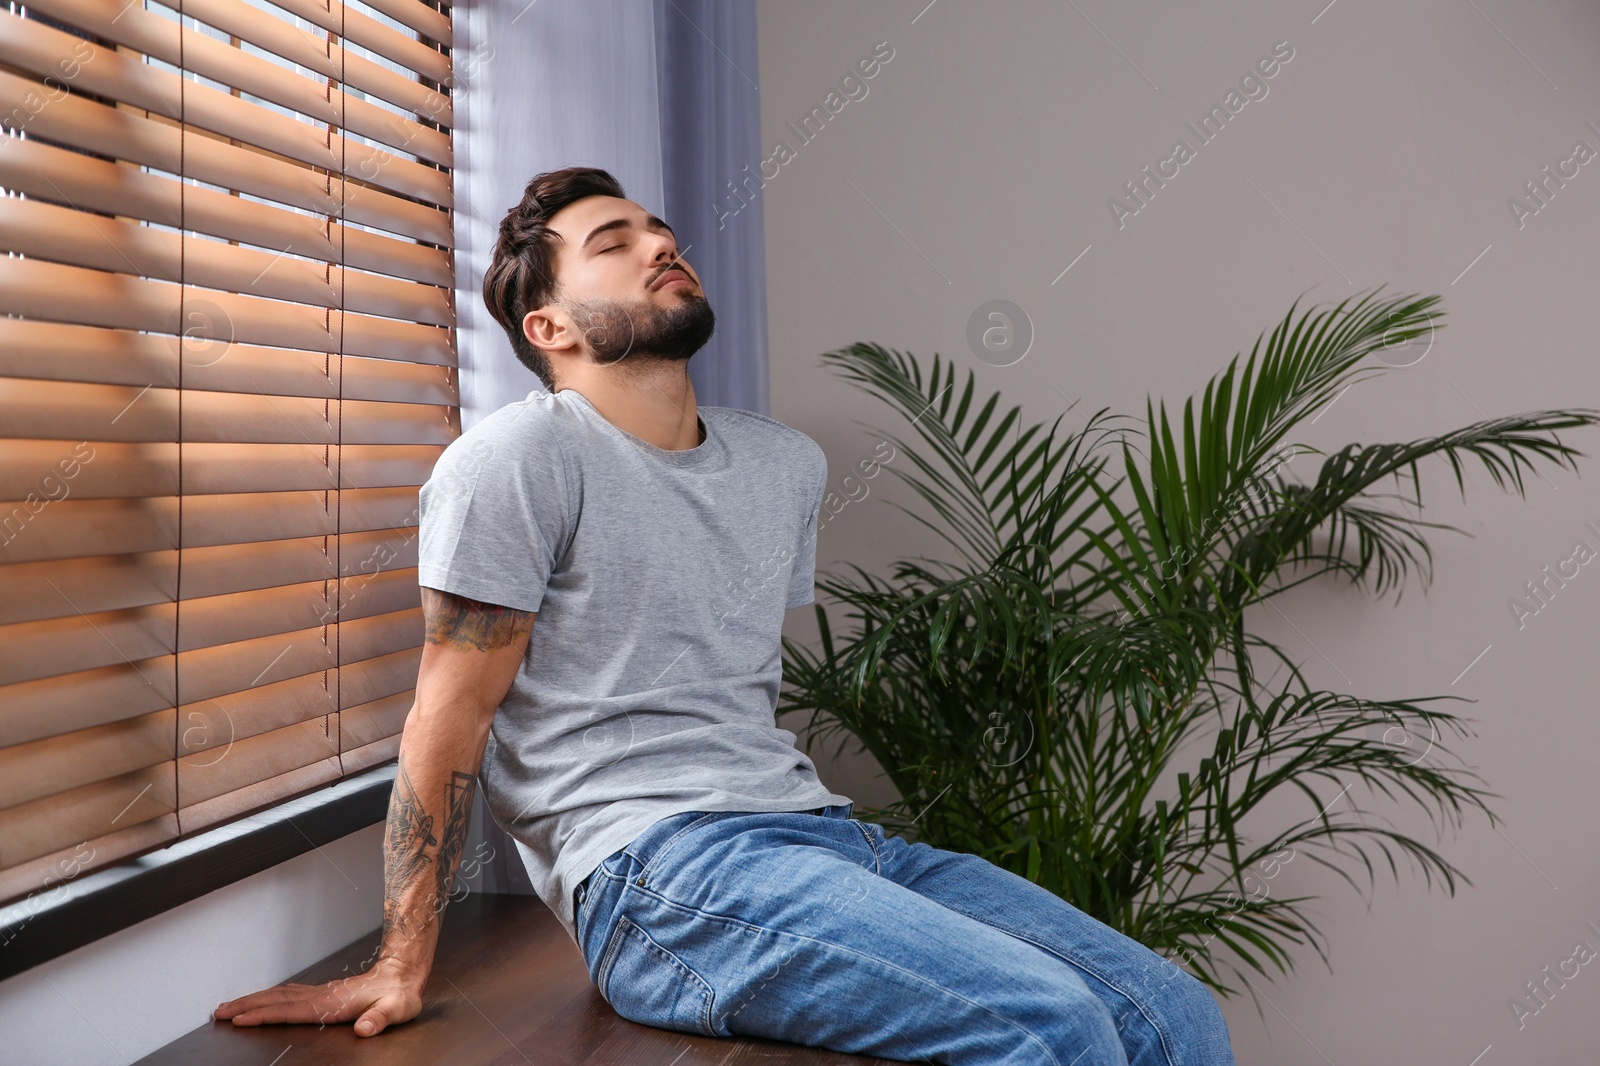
508,986
46,925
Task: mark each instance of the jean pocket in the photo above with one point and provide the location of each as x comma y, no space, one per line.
646,983
579,894
655,854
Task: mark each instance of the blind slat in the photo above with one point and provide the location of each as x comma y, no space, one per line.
208,319
282,38
377,569
219,468
62,352
46,767
66,645
235,518
148,32
81,353
425,20
227,568
373,722
207,673
367,756
32,46
380,678
368,638
82,411
31,472
250,760
67,235
369,33
86,813
214,621
33,710
262,794
41,590
94,127
126,470
214,725
68,528
63,410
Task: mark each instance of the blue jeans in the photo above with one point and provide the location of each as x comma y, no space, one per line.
812,927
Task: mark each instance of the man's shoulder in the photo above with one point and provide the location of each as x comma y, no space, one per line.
511,432
753,420
784,437
538,412
517,443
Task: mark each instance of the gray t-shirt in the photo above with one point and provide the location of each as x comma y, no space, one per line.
660,579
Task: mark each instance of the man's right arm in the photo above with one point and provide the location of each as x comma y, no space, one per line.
470,656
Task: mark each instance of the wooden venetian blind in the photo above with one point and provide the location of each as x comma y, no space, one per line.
226,365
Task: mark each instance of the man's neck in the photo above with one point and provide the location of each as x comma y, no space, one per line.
653,402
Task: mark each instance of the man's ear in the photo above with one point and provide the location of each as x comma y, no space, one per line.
539,327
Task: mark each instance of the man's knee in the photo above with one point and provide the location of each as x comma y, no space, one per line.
1191,1014
1195,1000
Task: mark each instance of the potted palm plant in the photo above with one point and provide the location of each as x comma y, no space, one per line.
1075,695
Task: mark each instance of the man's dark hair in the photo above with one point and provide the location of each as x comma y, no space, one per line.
521,275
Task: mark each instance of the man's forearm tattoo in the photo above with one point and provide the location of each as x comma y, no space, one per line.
457,812
410,832
406,838
471,625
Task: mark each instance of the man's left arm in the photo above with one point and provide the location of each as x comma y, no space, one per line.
802,583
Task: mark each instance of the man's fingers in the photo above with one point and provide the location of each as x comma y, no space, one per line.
281,1004
264,1015
254,1000
303,1010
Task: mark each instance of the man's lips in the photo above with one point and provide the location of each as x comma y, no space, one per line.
669,277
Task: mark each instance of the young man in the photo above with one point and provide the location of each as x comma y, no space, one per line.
627,742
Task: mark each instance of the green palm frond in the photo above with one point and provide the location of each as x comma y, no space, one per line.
1075,696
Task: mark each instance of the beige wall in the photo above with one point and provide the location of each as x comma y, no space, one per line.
978,166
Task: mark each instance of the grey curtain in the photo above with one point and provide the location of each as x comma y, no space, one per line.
710,171
662,93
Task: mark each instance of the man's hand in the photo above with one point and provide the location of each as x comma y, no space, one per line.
383,996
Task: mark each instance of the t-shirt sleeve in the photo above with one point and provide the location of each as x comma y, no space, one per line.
801,586
492,516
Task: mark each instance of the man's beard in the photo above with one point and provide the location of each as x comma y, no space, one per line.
643,332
